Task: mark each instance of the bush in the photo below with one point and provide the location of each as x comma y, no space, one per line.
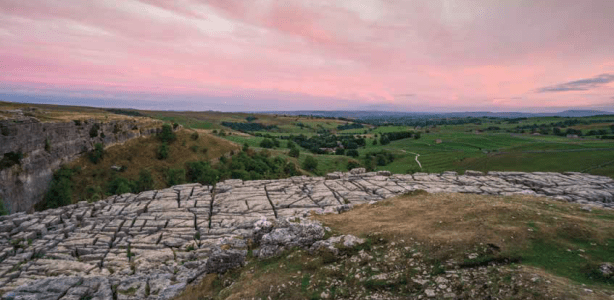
290,145
167,135
175,176
10,159
267,143
3,210
94,130
384,140
60,189
374,142
352,164
340,151
294,152
93,193
145,181
47,145
175,125
120,185
194,136
162,151
202,172
194,148
352,153
310,163
97,154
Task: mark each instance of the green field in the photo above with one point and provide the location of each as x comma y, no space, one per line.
459,148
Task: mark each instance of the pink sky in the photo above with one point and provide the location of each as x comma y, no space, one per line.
421,55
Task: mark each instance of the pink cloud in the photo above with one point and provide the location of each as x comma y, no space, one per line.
478,53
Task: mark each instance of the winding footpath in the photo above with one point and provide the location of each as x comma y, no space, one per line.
150,245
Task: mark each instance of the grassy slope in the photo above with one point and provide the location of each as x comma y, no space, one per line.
523,247
140,154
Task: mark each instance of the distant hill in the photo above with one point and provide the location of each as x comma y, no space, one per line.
357,114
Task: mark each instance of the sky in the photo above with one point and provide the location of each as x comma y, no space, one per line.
239,55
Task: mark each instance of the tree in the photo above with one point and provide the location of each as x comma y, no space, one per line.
202,172
384,140
175,176
194,136
120,185
352,164
60,190
352,153
167,135
3,210
310,163
267,143
94,130
374,142
97,154
162,151
145,181
294,152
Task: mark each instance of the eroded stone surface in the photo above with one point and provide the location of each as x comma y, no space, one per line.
150,245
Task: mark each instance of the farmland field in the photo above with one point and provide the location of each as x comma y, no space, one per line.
458,148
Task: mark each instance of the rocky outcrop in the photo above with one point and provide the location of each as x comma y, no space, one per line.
45,146
150,245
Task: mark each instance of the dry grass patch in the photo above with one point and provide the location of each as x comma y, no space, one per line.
140,153
559,237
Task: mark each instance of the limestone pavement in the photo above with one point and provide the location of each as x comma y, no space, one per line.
150,245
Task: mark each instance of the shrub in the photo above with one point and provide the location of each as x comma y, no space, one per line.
175,125
267,143
167,135
60,189
97,154
93,193
47,145
194,136
120,185
245,147
194,148
310,163
291,145
294,152
175,176
384,140
340,151
145,181
162,151
352,164
10,159
3,210
352,153
374,142
202,172
94,130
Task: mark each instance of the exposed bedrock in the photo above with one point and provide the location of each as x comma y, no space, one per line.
46,146
150,245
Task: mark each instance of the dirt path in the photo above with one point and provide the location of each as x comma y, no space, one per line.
416,154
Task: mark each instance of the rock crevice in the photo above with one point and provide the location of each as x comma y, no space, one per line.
159,241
